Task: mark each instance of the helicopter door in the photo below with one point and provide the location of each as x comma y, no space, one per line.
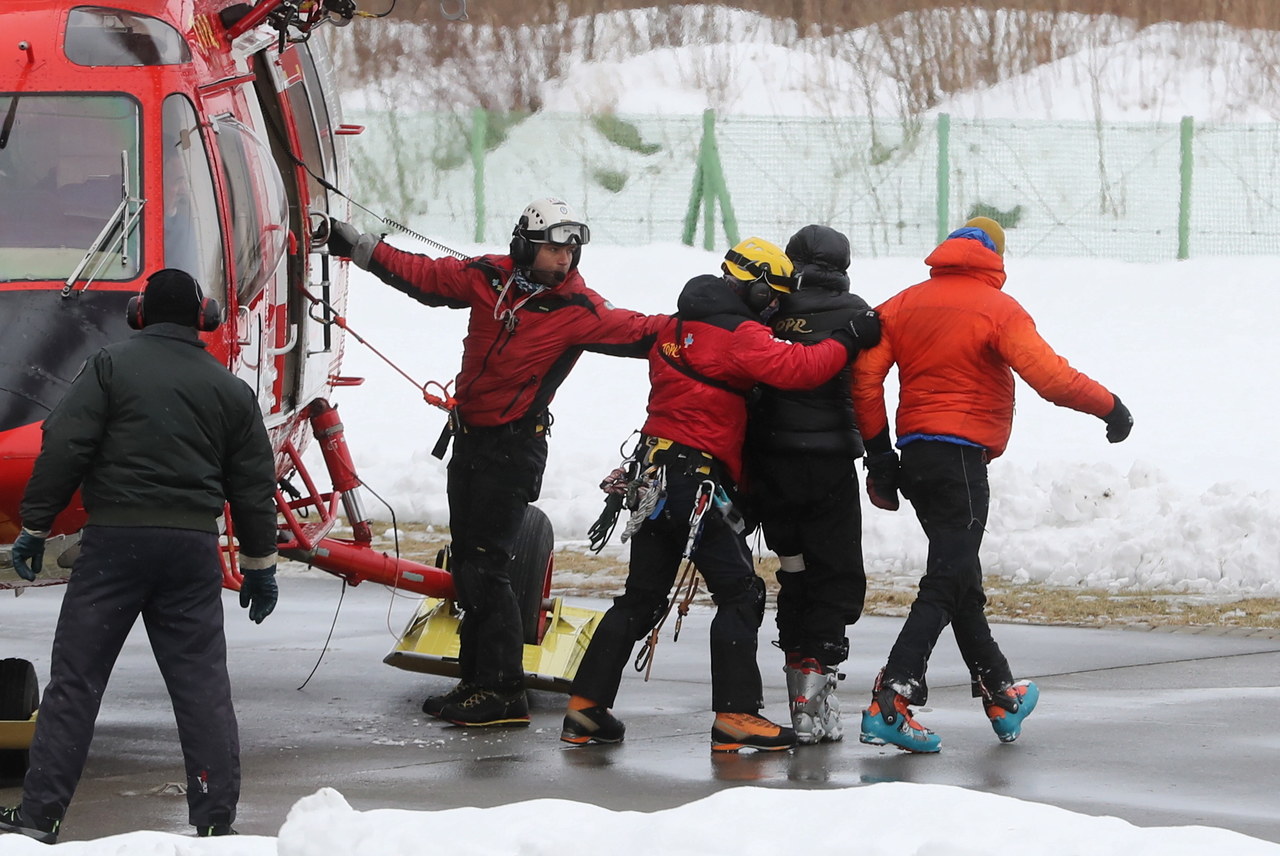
259,230
317,118
291,100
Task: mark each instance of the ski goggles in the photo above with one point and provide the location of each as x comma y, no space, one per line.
778,282
561,233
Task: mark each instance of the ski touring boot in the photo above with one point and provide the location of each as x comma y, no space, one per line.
1008,707
888,720
815,709
488,708
734,731
585,722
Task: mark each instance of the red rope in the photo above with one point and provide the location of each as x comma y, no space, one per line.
445,401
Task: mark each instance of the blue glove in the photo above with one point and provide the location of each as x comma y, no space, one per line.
28,554
259,592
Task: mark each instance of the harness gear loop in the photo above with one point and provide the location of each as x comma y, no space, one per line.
687,580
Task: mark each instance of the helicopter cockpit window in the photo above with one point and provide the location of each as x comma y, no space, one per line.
67,162
97,35
259,210
192,240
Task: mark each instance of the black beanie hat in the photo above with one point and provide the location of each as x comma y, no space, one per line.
171,295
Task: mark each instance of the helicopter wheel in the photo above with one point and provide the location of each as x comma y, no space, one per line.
19,697
531,571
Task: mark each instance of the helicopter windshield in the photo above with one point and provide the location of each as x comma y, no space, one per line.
62,178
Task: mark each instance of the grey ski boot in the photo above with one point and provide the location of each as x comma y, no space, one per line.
815,708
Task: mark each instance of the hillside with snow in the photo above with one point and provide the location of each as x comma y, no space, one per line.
683,60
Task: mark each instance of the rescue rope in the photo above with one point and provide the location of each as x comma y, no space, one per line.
445,401
687,581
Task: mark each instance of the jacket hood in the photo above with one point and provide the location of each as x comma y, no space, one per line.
968,257
821,256
816,277
707,295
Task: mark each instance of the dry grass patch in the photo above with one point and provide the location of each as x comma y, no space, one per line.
581,573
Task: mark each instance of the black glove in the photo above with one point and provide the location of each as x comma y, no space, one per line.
259,592
882,480
865,327
28,554
342,237
861,331
1119,422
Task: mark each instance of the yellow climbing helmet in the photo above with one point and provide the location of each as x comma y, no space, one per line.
757,259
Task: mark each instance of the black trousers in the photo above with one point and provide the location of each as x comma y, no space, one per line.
172,578
947,485
724,561
494,474
808,506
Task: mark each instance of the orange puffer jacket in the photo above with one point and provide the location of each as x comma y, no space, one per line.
957,339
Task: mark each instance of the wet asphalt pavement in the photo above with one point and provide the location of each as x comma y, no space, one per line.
1157,728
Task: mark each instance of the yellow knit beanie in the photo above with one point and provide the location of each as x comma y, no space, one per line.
993,229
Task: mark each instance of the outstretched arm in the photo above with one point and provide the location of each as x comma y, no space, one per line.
434,282
620,332
1051,376
760,357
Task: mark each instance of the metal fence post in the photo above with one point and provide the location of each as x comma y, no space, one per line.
479,130
944,176
710,157
1184,198
709,187
721,189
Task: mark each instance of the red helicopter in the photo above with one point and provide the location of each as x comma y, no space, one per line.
202,135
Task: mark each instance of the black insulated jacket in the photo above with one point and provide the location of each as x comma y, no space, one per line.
819,420
156,432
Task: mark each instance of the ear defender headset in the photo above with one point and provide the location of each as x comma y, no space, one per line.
208,315
524,251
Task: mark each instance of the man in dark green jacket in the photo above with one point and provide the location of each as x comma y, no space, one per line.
158,435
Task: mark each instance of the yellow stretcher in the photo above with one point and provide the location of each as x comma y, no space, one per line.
429,643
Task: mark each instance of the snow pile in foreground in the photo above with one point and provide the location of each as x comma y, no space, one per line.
887,819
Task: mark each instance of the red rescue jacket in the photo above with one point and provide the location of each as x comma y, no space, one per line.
706,360
957,339
516,353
